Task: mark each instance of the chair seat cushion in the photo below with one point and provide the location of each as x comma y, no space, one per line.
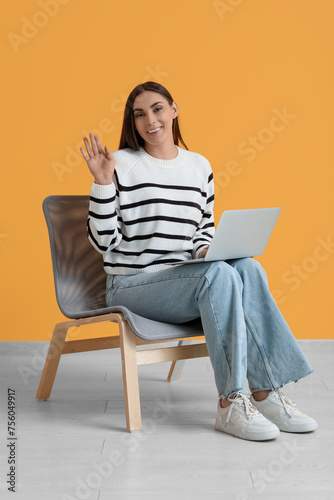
150,330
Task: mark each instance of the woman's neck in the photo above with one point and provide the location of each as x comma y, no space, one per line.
163,151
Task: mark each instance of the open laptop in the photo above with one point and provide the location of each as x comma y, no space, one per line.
240,233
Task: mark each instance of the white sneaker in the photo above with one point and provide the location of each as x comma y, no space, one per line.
283,412
243,420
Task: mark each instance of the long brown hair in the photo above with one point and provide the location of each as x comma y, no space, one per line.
129,136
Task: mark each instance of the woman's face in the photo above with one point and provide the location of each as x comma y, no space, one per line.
153,117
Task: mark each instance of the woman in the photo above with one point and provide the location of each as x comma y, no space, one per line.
151,205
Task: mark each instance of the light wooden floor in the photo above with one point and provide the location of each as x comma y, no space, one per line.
75,446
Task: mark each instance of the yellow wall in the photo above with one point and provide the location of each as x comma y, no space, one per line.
234,67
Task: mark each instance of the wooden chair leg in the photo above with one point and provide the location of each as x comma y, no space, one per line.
177,366
52,362
130,377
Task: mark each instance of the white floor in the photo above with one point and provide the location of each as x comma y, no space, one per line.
75,445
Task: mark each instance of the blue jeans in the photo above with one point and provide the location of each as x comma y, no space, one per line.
246,334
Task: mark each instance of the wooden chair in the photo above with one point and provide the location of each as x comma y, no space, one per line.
80,284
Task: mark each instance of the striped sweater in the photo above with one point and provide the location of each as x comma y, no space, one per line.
155,212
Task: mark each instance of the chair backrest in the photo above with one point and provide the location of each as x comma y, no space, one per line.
80,280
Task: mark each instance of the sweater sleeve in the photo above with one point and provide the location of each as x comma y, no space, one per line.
103,227
206,228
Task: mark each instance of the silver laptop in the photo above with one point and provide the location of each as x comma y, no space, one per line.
240,233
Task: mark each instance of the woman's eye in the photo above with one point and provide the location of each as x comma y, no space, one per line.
141,114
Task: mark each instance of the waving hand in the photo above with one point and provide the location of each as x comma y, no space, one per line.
101,162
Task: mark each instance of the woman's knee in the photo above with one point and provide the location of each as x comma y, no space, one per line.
221,271
248,265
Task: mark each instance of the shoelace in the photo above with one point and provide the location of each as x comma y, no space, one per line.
243,401
288,405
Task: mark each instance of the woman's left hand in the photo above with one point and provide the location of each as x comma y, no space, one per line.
203,253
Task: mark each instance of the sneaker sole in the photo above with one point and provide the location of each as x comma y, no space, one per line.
249,436
312,426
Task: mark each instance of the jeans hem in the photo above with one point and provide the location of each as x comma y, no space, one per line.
229,394
280,386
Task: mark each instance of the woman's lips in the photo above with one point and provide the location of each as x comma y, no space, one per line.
154,131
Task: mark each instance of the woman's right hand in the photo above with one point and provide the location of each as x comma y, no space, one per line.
101,162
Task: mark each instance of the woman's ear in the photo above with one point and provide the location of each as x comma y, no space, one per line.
175,109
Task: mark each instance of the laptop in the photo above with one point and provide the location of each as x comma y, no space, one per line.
239,234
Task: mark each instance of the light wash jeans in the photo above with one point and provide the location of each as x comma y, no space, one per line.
246,334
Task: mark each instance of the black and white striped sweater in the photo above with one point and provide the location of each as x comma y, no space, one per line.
155,212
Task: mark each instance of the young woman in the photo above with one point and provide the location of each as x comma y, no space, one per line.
151,204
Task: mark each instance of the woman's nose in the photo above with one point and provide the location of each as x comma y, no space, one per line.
150,119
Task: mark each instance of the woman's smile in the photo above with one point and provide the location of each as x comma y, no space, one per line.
154,131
